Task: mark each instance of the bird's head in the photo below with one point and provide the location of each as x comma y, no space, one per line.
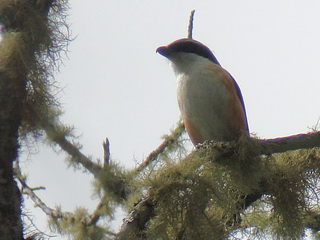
186,45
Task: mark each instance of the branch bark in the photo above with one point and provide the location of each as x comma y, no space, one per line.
106,152
10,120
135,223
13,94
283,144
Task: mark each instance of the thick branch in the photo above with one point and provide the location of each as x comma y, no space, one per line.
134,225
294,142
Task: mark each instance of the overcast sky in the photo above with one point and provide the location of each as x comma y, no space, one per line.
116,86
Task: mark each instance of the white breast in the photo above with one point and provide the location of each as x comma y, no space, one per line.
202,95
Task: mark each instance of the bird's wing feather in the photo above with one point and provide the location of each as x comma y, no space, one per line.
215,61
241,100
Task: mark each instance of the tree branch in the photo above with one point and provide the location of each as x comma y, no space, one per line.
144,210
176,133
78,155
134,225
89,221
30,192
106,151
71,149
22,47
294,142
190,26
95,217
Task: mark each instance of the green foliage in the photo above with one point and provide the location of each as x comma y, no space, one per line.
197,197
30,52
292,187
74,225
113,180
201,196
176,148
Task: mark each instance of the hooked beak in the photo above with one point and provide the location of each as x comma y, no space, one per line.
164,51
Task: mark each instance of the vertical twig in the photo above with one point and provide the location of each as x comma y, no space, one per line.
190,27
106,152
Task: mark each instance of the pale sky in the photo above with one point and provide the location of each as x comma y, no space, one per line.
116,86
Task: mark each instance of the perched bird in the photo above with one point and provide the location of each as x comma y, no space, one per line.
209,98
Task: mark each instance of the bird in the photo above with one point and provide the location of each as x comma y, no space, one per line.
209,98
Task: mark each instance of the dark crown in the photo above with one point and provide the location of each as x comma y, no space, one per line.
190,46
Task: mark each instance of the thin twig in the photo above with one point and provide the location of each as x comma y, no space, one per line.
176,133
190,26
106,152
29,191
95,217
36,232
38,188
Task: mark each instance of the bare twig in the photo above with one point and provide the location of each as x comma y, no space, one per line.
176,133
106,152
38,188
32,231
29,191
190,26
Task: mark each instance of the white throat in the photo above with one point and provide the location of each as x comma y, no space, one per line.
185,63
